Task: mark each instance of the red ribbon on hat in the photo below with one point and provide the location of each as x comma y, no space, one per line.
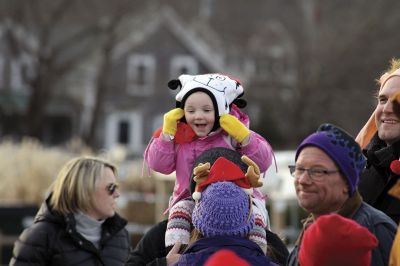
224,170
395,167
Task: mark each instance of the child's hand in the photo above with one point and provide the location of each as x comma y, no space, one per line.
171,120
234,127
253,172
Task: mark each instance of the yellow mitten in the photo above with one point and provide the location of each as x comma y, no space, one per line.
171,121
253,172
234,127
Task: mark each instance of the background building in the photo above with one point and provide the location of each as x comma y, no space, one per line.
97,71
101,75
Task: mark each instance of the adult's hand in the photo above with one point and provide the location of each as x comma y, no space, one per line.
173,255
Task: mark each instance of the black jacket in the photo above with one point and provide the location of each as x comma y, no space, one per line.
53,240
151,251
377,178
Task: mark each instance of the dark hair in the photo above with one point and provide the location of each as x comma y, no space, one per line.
211,155
214,101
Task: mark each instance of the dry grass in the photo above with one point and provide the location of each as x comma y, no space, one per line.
27,169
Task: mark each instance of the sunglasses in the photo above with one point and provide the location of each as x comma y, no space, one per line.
111,188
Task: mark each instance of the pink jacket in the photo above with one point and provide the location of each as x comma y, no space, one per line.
167,156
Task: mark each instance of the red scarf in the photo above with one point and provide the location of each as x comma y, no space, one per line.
184,133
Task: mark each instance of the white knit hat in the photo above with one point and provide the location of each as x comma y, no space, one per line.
224,89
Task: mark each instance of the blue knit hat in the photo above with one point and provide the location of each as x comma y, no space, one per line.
223,210
341,148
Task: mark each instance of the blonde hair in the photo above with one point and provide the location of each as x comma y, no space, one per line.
75,184
369,129
393,66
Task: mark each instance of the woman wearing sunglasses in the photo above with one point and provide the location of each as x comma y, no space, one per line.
77,224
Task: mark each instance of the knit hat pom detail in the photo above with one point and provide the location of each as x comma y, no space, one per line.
196,195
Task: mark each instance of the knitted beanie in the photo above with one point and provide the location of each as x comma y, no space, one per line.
336,240
223,210
225,257
341,148
224,90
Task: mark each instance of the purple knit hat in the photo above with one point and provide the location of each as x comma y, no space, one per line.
341,148
223,210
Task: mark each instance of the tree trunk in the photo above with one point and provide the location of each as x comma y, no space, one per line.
38,101
100,91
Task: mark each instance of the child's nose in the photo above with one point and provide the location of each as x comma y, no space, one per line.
198,115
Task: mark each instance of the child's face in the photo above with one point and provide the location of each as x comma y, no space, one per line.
200,113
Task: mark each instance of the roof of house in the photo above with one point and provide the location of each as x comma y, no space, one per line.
201,40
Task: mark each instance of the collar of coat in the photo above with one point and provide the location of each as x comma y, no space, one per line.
379,154
348,209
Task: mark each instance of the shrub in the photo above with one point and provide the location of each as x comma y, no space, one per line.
27,168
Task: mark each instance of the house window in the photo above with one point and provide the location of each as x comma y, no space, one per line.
141,74
123,132
125,128
183,64
16,75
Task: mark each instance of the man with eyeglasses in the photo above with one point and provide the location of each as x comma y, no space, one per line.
326,176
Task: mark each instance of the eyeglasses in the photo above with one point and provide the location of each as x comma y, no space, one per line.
112,187
316,174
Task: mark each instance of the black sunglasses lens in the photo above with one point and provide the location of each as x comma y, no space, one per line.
111,188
